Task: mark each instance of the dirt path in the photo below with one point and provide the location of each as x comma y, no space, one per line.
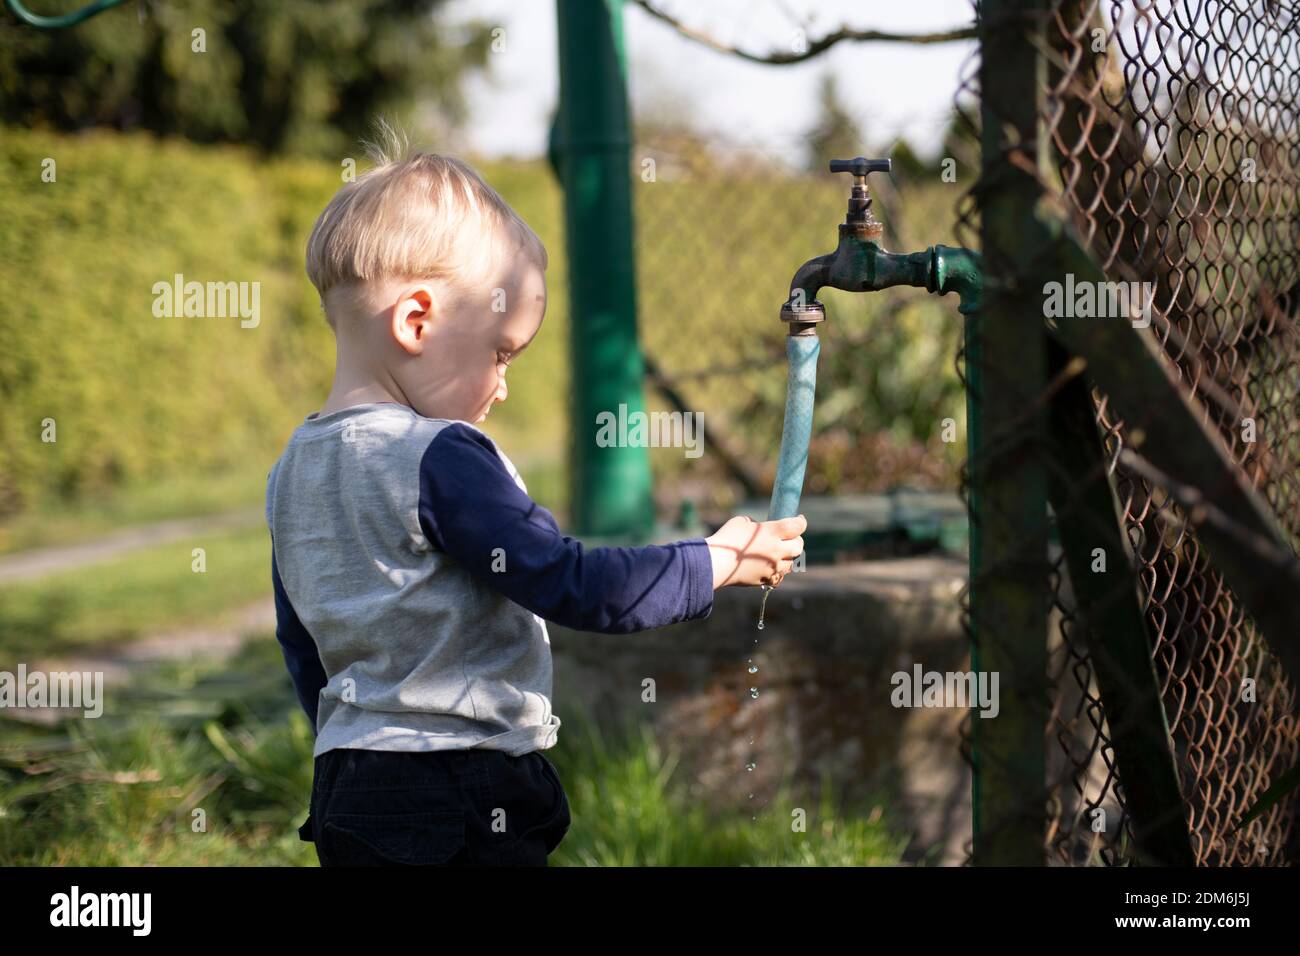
26,565
120,663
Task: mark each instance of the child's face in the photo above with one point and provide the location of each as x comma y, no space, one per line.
457,368
509,332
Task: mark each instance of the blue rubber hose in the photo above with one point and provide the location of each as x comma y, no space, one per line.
801,387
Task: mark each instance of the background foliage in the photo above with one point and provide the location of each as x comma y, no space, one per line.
141,399
294,76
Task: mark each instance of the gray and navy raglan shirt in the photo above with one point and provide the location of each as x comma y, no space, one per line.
414,578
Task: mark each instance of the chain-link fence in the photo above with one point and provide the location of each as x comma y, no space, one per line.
1165,134
1144,712
721,227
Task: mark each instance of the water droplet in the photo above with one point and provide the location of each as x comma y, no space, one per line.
753,669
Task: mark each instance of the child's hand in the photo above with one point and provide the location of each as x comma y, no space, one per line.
745,551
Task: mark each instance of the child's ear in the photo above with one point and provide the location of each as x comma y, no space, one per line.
412,318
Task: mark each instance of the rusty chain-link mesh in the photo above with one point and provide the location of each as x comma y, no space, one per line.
1174,147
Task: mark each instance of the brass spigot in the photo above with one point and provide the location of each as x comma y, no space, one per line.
859,220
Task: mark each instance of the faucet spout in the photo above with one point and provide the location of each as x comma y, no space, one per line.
861,265
810,278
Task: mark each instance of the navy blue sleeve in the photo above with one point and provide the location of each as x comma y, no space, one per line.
471,508
300,654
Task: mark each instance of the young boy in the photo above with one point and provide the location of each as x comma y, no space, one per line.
413,575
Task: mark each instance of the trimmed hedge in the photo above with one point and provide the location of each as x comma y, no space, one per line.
137,397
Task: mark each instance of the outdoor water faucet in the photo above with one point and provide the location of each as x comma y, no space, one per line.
860,263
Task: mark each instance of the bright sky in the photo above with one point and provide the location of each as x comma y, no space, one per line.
892,89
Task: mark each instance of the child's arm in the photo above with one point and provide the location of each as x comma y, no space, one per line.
471,508
300,654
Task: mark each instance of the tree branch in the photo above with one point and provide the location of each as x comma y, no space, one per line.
814,47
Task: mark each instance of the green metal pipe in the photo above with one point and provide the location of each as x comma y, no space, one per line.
610,486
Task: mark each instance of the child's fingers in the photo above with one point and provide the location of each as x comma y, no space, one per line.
791,527
793,547
777,576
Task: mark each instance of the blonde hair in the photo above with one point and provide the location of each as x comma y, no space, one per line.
408,217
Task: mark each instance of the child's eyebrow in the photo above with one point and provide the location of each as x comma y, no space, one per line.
516,350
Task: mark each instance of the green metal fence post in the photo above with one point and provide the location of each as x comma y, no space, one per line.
1007,344
610,485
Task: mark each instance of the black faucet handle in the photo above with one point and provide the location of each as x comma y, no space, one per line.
861,166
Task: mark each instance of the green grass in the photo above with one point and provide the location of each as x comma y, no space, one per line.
630,808
61,522
230,741
146,591
123,790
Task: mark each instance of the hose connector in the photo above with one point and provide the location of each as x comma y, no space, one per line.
803,318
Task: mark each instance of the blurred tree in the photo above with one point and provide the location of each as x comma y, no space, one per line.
908,167
295,76
961,143
665,125
836,134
